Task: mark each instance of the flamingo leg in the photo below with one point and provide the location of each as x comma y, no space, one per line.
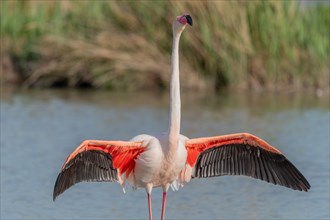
149,206
163,205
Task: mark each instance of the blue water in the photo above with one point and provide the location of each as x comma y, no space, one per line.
39,128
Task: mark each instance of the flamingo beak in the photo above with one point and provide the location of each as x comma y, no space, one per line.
189,20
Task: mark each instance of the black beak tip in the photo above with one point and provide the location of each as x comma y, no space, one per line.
189,19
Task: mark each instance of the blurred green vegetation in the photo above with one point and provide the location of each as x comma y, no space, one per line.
127,44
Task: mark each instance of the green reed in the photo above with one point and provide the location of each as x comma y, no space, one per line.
126,44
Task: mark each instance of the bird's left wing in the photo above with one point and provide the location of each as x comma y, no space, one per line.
96,160
241,154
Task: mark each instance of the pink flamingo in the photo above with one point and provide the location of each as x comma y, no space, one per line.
170,159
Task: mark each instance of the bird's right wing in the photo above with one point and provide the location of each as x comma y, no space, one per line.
96,160
241,154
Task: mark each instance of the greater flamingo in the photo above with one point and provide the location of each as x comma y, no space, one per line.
170,159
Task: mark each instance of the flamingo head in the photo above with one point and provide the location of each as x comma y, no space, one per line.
181,21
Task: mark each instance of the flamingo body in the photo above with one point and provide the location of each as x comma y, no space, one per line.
154,167
171,159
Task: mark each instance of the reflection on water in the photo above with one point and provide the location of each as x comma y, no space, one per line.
39,128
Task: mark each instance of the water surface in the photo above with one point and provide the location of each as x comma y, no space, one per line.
39,128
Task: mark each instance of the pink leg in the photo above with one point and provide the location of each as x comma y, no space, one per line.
163,205
149,206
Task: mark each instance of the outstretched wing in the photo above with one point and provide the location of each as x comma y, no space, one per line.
96,160
242,154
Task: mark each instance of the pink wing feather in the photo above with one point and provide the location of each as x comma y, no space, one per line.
96,160
242,154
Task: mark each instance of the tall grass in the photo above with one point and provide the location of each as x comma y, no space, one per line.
126,44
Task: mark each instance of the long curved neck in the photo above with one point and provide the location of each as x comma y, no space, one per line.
175,102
